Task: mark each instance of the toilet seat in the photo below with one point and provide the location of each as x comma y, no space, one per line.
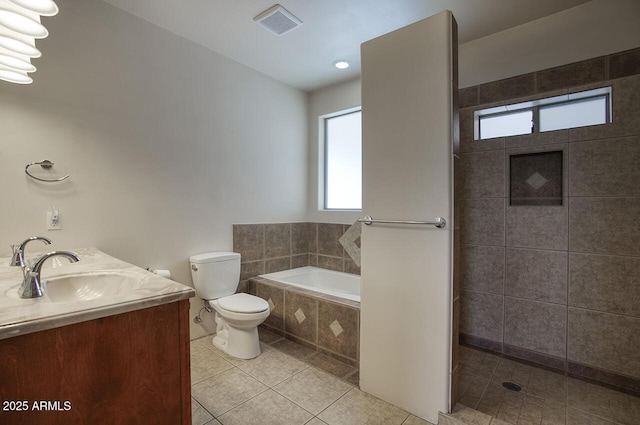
243,303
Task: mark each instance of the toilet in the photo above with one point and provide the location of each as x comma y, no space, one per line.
215,277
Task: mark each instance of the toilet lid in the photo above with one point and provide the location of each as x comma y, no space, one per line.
243,303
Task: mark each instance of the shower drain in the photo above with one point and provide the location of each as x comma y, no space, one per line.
511,386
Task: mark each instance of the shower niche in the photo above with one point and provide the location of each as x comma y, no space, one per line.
536,178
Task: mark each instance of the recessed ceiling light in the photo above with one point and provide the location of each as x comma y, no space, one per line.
341,64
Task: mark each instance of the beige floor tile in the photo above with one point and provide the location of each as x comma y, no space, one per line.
359,408
466,415
316,421
588,397
213,422
414,420
225,391
313,389
621,408
199,416
205,363
268,408
272,367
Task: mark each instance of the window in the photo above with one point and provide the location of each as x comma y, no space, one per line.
343,160
581,109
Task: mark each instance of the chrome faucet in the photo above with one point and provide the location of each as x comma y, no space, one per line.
18,253
31,287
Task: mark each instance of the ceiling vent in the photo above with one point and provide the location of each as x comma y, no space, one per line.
278,20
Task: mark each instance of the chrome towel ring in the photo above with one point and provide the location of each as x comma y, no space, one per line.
46,164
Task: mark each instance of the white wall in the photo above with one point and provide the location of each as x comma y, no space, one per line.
596,28
593,29
321,102
167,143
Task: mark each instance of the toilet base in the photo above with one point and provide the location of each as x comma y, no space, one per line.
240,343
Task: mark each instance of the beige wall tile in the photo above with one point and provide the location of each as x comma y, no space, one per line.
544,227
339,328
300,238
482,174
626,110
624,64
482,221
537,275
273,265
248,240
481,315
575,74
277,240
329,239
482,268
301,316
252,269
605,225
537,139
605,167
605,283
536,326
509,88
604,340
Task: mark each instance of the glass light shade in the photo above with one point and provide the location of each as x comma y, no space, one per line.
22,22
19,46
41,7
14,76
17,63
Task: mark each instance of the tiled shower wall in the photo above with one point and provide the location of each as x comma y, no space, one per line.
557,285
268,248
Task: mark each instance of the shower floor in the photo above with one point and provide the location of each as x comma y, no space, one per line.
545,398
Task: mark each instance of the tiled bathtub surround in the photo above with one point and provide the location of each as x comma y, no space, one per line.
558,285
321,322
268,248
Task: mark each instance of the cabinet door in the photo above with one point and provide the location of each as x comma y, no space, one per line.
131,368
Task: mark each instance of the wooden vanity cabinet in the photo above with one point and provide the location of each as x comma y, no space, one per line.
131,368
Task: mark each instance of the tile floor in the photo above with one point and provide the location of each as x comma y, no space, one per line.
288,384
546,398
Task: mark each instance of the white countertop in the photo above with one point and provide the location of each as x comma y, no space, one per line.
20,316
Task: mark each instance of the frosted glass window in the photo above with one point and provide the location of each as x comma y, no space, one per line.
509,124
578,113
579,109
343,157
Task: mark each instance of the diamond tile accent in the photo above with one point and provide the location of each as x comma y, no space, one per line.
336,328
348,241
271,304
536,180
299,314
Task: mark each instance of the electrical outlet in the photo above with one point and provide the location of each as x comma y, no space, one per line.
54,221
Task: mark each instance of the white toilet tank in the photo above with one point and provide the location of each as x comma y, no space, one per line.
215,274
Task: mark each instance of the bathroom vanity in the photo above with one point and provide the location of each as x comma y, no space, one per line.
108,345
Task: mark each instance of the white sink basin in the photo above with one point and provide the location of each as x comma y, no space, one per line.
91,286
